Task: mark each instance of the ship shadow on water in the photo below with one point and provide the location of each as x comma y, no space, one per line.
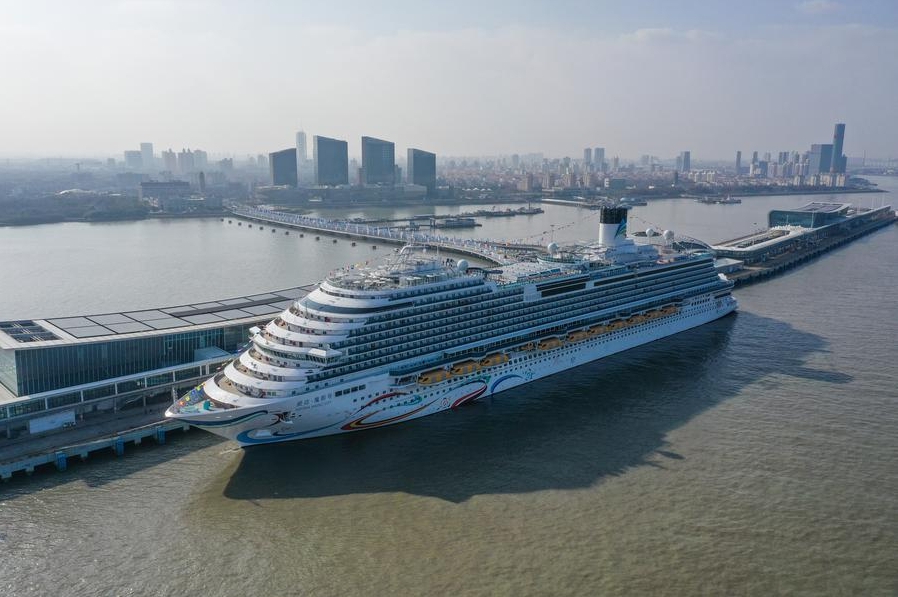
567,431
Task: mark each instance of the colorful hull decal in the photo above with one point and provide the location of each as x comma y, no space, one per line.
474,395
381,397
361,424
245,438
503,378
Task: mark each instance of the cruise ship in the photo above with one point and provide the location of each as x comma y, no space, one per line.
418,333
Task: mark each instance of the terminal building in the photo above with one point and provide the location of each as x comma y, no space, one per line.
78,366
801,228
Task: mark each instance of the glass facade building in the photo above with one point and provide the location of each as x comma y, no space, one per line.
33,370
378,161
331,157
282,165
422,169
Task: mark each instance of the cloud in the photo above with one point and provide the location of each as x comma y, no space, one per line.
818,7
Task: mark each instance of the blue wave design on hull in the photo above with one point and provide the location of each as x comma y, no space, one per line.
504,378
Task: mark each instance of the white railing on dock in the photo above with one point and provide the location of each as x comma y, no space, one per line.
479,248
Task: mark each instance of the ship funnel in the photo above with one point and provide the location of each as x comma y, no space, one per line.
612,226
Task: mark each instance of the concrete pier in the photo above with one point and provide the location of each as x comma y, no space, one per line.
60,456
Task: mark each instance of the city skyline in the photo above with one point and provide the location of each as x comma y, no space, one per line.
497,80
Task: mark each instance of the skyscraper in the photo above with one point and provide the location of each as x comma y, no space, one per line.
302,153
820,159
587,156
422,169
185,161
839,161
146,156
378,161
331,157
738,163
598,157
282,165
133,160
170,160
685,161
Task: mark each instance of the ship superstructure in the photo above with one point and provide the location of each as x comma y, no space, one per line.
379,344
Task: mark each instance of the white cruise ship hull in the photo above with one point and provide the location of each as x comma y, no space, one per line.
382,403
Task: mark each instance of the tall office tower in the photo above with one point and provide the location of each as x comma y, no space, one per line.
282,165
302,153
262,161
185,161
839,161
146,156
378,161
515,161
598,157
685,161
754,157
200,159
738,163
820,159
169,160
587,156
422,169
133,160
331,157
615,164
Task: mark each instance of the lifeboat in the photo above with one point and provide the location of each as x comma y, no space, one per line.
596,330
577,336
497,358
465,367
548,343
433,376
616,325
527,347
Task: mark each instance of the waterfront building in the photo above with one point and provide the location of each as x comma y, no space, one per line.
820,159
378,162
282,166
148,161
799,228
684,161
302,152
839,161
422,169
169,189
738,163
133,160
331,158
118,360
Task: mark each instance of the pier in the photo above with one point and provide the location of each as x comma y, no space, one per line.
776,250
59,457
473,248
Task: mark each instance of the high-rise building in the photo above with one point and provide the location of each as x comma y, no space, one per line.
738,163
422,169
185,161
133,160
754,157
169,160
282,165
587,156
598,157
331,157
615,164
146,156
820,159
200,159
839,161
378,161
685,161
302,153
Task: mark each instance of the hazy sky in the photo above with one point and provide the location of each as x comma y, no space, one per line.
457,77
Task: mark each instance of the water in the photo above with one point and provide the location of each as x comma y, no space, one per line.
755,455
